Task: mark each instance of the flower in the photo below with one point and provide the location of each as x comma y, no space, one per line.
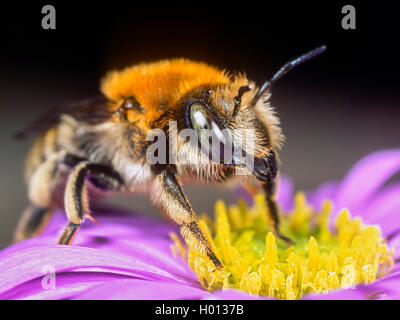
319,261
130,257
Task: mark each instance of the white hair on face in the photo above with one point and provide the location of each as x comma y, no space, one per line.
218,132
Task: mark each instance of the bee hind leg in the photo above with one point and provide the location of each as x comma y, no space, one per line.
76,200
168,194
40,191
32,223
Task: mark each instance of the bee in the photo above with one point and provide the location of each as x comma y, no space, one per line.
102,144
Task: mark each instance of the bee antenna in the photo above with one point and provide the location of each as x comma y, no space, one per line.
238,99
287,67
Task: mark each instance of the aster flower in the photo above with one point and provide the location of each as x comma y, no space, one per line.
339,254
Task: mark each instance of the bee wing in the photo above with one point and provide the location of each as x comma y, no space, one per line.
93,110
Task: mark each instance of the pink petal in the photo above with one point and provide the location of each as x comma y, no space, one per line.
384,210
366,178
124,245
285,193
326,191
28,264
387,288
156,290
67,286
139,289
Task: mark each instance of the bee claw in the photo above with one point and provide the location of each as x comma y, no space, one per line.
289,242
93,219
219,267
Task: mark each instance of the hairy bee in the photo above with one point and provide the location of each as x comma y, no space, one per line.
103,143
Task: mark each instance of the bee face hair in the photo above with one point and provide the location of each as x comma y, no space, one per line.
231,107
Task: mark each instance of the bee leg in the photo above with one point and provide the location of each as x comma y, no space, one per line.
40,191
273,211
168,194
253,187
33,221
76,198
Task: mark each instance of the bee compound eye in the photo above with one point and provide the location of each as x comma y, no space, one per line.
213,138
199,117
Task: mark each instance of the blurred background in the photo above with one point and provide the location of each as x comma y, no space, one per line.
334,109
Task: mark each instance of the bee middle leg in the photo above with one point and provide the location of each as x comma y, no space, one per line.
76,200
168,194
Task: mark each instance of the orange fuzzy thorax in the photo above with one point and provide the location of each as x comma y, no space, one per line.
160,84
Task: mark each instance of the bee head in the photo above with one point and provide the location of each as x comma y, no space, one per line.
235,127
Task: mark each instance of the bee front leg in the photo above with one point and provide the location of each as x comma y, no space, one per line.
76,200
168,194
273,211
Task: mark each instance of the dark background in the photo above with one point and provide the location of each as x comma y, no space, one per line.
334,109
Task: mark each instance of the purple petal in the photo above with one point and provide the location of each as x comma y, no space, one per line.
365,179
384,210
387,288
285,193
67,286
139,289
123,245
28,265
326,191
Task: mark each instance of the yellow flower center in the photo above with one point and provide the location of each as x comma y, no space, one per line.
255,261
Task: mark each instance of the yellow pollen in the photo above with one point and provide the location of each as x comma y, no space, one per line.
255,261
